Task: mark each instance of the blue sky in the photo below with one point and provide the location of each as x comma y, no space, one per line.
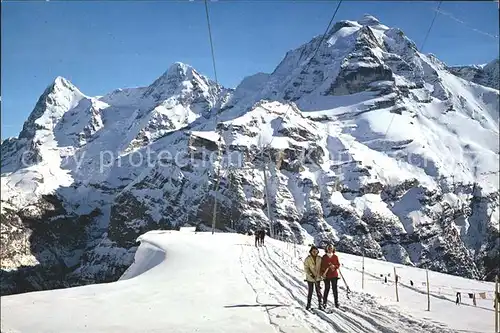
104,45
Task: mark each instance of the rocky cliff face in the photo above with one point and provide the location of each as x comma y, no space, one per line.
486,75
373,146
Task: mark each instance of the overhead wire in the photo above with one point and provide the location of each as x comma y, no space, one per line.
308,64
430,27
219,140
310,60
214,214
216,119
211,41
421,48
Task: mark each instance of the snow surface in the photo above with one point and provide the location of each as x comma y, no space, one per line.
199,282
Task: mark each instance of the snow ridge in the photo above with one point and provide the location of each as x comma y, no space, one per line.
485,74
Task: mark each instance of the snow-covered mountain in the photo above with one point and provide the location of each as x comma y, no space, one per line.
371,144
486,74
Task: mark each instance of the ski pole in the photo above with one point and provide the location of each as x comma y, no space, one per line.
347,287
326,271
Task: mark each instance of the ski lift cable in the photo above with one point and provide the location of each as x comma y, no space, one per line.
209,26
216,116
211,41
421,48
289,105
430,27
216,119
309,63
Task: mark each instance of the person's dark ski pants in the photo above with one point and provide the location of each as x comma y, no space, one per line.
310,286
333,283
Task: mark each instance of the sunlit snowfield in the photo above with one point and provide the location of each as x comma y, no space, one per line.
199,282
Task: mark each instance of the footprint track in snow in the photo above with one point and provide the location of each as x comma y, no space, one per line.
362,313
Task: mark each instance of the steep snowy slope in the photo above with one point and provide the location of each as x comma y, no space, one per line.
186,282
486,75
33,160
371,144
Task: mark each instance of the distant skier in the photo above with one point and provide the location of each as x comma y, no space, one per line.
262,236
459,298
257,237
329,266
312,268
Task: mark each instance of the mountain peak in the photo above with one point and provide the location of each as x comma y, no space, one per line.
493,65
179,70
368,20
62,84
59,80
176,73
58,97
179,67
178,76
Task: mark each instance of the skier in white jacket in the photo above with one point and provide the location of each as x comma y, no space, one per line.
312,268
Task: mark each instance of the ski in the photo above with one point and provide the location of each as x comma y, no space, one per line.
332,309
326,311
319,312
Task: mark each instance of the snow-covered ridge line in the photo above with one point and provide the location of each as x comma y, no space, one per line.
150,254
484,74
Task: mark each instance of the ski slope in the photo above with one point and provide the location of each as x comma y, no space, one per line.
199,282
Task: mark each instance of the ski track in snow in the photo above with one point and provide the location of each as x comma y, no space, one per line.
285,281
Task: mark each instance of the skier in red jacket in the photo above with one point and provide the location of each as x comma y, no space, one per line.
329,265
